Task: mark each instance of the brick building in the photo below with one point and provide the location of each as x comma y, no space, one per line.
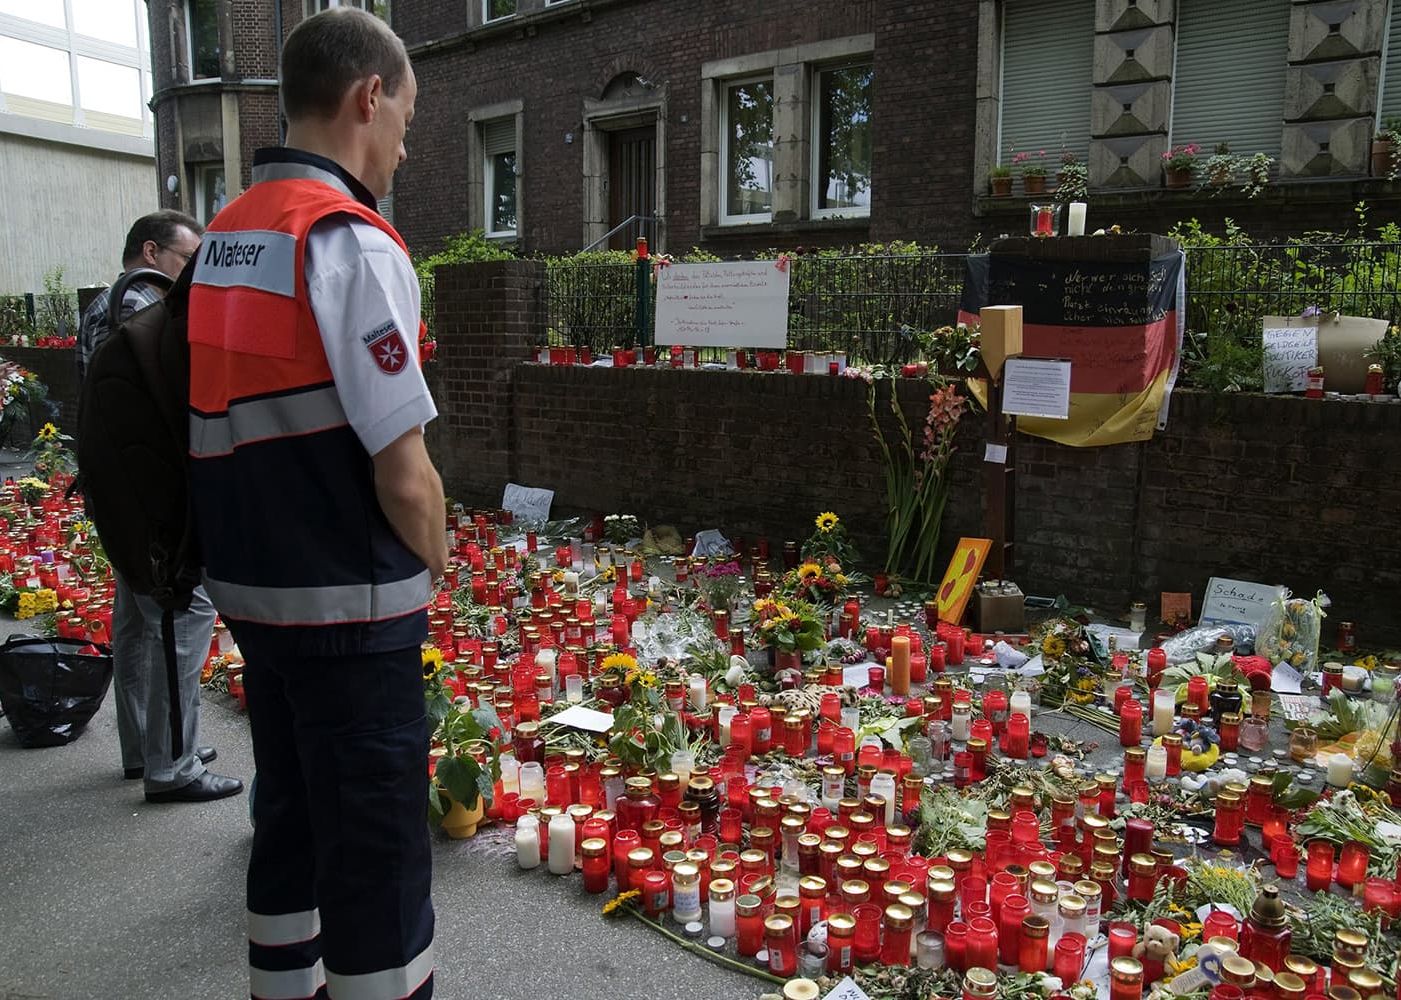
551,123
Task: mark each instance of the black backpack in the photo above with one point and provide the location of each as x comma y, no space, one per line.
133,455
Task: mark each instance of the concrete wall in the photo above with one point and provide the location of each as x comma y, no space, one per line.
66,205
1275,489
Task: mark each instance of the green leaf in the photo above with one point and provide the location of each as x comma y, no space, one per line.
459,776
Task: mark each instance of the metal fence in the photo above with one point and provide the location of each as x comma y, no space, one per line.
875,307
38,314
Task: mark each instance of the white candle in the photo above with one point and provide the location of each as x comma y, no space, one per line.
1021,703
574,689
1164,709
722,917
699,694
1339,770
960,722
510,773
545,663
571,583
532,782
1155,769
727,712
883,786
851,718
1075,226
528,842
561,844
683,763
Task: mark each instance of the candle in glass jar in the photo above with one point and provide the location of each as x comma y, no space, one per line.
1339,770
528,842
1164,708
1125,979
1155,765
561,848
1075,221
722,907
900,665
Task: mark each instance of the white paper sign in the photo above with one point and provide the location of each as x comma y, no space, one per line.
1285,679
847,990
1289,354
1237,602
737,304
527,503
583,718
1036,387
857,677
995,453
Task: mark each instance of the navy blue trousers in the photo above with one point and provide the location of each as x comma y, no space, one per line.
339,878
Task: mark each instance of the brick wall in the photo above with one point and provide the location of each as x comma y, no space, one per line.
59,373
1273,489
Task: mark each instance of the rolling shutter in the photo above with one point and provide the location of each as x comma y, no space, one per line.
1229,86
499,136
1391,67
1047,78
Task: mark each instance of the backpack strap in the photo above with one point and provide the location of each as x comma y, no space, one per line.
136,276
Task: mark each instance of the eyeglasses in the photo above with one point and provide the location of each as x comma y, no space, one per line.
179,253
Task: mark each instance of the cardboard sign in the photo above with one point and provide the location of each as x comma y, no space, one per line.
957,586
1343,344
1036,387
527,504
1237,602
736,304
1289,354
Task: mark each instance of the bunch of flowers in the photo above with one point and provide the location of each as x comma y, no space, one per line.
36,602
1030,163
621,528
625,666
830,540
719,583
817,582
48,453
1182,157
787,626
33,489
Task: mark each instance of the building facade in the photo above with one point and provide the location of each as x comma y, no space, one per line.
76,148
559,125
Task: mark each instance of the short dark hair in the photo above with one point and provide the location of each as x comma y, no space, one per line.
331,50
159,227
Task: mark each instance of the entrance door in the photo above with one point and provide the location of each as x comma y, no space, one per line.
632,185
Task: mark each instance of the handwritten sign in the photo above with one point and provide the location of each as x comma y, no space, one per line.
1036,387
847,990
1289,354
527,504
1237,602
738,304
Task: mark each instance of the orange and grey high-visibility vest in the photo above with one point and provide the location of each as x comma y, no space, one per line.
297,550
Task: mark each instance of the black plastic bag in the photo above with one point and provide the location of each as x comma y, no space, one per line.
49,690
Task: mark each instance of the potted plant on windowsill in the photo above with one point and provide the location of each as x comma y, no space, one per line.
1072,179
1221,166
1386,150
1000,181
1180,165
1033,171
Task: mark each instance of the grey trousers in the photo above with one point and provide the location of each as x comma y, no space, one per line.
142,692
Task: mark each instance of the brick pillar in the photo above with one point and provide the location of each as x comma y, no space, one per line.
1134,50
1330,97
489,318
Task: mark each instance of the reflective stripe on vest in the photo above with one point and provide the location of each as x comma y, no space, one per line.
356,602
398,982
265,419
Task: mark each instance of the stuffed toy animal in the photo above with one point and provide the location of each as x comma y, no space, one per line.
1157,947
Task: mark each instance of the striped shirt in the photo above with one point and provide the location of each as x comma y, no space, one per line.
94,328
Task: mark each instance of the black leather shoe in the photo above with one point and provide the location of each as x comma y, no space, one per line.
206,787
205,755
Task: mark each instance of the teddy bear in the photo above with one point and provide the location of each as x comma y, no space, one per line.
1157,948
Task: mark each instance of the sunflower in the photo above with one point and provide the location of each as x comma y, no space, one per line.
621,662
1053,646
1368,662
647,679
620,900
809,571
48,433
826,521
432,662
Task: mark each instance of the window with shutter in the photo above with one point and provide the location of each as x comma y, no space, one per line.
499,175
1232,57
1047,78
1391,67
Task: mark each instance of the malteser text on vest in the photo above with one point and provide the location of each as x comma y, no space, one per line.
219,254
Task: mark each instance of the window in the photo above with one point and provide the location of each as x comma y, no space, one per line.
1390,103
841,143
202,26
379,8
499,176
1047,78
111,22
1229,83
35,71
746,153
48,12
109,88
210,196
495,10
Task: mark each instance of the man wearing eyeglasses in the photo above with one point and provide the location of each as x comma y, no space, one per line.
163,241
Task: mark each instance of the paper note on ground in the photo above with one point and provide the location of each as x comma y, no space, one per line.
1298,707
847,990
1284,679
527,503
1289,354
583,718
857,677
1036,387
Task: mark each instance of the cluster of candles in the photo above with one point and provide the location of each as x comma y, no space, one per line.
678,356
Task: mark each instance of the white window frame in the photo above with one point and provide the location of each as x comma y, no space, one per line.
557,3
203,176
489,181
190,44
317,6
815,140
488,19
726,219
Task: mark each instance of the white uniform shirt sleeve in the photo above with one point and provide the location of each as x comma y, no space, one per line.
362,289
